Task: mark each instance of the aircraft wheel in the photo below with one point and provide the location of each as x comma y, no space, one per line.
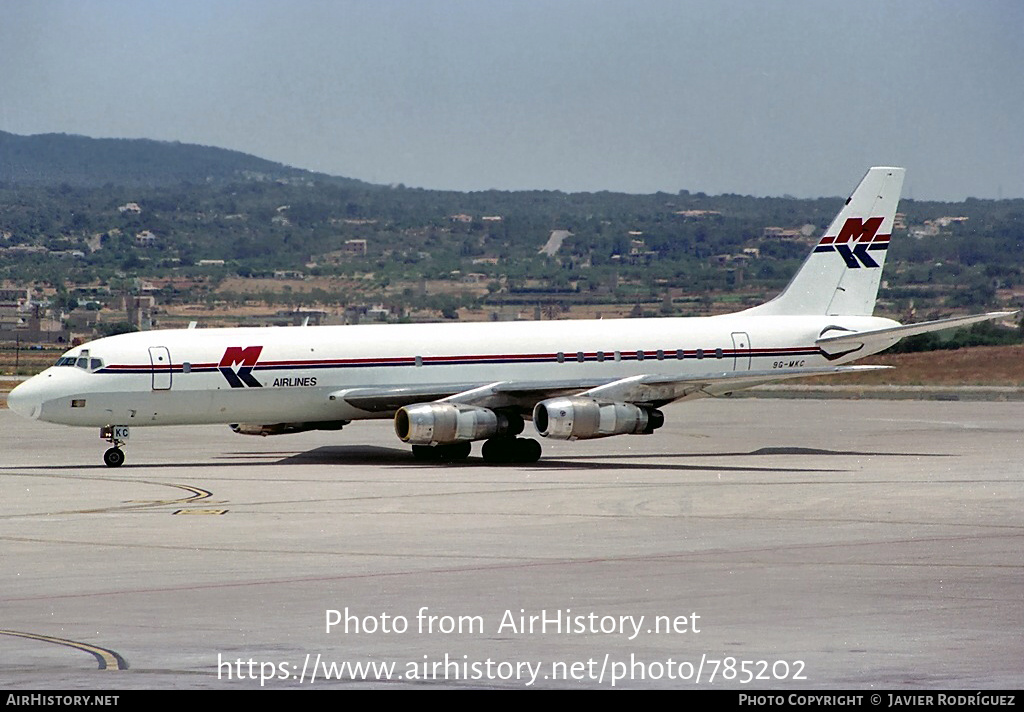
451,452
526,450
501,450
455,451
114,457
425,453
497,450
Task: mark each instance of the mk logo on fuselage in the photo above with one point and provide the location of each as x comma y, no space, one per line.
854,240
245,359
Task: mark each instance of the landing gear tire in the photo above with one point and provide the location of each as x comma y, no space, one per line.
424,453
505,450
453,452
114,457
495,450
527,450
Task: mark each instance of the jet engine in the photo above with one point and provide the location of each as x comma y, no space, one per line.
585,419
441,423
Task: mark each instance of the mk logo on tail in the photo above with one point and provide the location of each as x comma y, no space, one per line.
245,359
862,235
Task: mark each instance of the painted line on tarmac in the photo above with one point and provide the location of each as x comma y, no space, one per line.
107,659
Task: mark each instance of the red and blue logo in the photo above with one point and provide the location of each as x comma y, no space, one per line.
237,363
855,240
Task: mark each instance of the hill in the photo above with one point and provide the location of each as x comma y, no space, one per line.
53,159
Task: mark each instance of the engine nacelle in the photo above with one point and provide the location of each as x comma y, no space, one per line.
585,419
286,428
443,423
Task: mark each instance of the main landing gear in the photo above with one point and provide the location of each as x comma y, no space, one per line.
116,435
495,451
503,450
453,452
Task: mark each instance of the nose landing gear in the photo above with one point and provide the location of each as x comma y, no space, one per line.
114,457
116,435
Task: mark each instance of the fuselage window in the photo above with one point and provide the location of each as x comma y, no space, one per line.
718,353
561,357
579,356
186,367
679,354
661,355
639,355
419,360
600,355
700,353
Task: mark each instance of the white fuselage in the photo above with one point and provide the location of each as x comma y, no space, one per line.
287,374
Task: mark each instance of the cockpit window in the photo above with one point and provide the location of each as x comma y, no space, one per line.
82,361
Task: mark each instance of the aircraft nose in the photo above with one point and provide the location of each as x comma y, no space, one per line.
25,401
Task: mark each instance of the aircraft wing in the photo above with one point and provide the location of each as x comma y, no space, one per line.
495,395
658,390
642,389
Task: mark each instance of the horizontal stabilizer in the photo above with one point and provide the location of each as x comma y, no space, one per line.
895,333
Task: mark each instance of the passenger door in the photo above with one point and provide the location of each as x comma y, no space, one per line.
160,358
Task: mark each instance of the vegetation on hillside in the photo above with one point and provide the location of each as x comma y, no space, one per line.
92,218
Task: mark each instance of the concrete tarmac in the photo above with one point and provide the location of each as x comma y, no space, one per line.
749,544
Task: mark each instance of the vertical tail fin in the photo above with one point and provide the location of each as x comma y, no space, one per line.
842,273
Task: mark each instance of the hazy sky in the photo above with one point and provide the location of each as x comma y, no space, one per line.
762,98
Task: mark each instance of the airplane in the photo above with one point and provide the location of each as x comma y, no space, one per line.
448,385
